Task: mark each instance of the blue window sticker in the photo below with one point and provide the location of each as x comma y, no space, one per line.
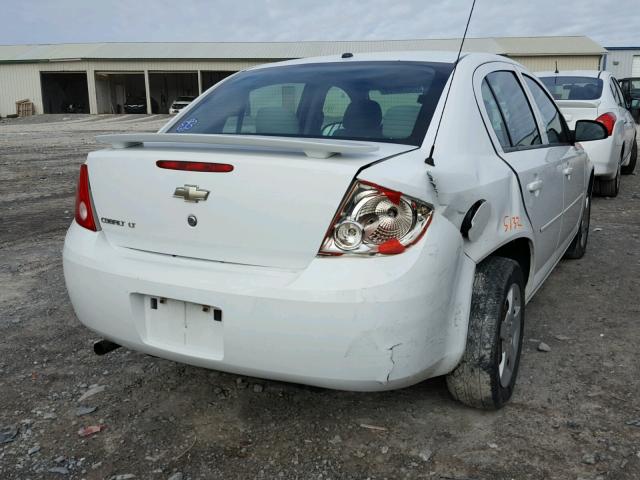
186,125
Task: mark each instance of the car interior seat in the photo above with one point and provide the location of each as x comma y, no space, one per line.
399,121
277,121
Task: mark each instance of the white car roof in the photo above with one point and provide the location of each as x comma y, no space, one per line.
407,56
575,73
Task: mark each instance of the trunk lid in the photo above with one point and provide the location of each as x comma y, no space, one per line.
574,110
272,210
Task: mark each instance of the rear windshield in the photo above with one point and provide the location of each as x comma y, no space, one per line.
184,99
573,88
376,101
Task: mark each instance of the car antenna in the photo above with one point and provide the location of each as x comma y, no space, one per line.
557,71
429,160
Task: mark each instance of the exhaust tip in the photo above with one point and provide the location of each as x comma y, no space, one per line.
103,347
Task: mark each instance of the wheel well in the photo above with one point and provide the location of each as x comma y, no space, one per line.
520,251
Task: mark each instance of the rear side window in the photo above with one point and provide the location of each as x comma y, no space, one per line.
553,123
619,95
495,117
573,88
515,109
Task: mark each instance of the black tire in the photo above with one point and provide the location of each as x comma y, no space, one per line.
608,187
578,246
477,381
631,166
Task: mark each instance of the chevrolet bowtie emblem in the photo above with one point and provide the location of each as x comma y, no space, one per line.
191,193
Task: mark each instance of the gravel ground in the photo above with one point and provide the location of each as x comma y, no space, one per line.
575,414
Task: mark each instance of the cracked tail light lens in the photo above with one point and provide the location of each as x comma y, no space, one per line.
374,220
84,210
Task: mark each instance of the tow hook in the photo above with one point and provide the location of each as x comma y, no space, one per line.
103,347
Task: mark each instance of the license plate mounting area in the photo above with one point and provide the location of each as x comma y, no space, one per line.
193,329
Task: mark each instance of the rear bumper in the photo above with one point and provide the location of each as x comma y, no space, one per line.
348,323
605,155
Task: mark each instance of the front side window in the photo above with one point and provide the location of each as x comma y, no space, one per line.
515,109
556,132
379,101
573,88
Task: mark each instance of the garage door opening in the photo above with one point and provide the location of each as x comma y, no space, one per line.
64,92
166,87
118,92
209,79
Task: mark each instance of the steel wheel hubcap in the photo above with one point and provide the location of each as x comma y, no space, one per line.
510,334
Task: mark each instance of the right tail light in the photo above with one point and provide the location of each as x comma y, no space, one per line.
608,120
374,220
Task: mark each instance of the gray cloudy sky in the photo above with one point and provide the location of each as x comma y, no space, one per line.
611,23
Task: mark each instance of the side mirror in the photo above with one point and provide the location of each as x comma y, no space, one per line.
588,130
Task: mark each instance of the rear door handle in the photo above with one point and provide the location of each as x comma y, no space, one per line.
534,186
567,171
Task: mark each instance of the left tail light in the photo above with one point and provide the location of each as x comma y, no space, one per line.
608,120
84,206
374,220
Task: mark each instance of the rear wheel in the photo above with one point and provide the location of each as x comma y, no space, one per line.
608,187
578,246
631,166
487,373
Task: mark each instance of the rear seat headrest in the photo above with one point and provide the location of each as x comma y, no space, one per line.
362,118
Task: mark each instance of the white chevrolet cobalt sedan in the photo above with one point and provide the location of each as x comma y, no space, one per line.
596,95
358,222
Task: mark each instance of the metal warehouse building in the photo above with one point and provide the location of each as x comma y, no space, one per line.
623,62
100,77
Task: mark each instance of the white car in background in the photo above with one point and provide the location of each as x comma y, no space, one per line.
596,95
179,103
328,221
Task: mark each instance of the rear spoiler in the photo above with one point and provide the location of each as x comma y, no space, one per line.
314,148
578,103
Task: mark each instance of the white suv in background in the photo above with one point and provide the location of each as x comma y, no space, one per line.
179,103
596,95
